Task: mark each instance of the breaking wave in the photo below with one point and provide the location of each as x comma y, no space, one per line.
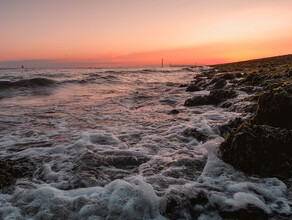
34,82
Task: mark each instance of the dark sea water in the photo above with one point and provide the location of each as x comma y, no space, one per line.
102,145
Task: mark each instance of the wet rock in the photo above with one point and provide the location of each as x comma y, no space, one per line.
221,83
288,73
178,205
183,85
126,160
219,95
250,108
226,104
259,149
196,134
250,212
275,107
173,112
200,82
11,170
225,129
235,81
228,76
214,98
208,74
254,79
192,88
238,75
197,100
247,89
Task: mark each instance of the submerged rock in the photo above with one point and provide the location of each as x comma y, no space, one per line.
275,107
173,112
11,170
196,134
259,149
183,85
178,205
192,88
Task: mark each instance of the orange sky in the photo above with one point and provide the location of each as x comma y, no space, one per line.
131,32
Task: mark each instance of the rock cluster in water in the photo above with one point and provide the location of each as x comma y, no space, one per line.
261,144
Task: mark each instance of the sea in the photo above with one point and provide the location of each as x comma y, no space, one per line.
105,144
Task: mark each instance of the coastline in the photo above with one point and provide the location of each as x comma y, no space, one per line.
268,82
171,167
260,143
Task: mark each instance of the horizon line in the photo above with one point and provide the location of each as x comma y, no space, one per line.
114,67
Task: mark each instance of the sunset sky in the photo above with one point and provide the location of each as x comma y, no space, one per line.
72,33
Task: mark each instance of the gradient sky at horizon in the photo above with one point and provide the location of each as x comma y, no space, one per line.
74,33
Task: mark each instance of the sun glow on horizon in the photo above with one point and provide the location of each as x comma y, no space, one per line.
139,33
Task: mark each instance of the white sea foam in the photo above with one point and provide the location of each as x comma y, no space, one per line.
107,148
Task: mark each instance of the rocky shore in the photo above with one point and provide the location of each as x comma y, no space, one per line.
262,143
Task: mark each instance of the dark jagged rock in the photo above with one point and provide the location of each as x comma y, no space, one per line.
219,95
173,112
214,98
192,88
11,170
228,76
197,100
275,107
225,129
200,82
253,79
238,75
259,149
183,85
178,205
221,83
196,134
